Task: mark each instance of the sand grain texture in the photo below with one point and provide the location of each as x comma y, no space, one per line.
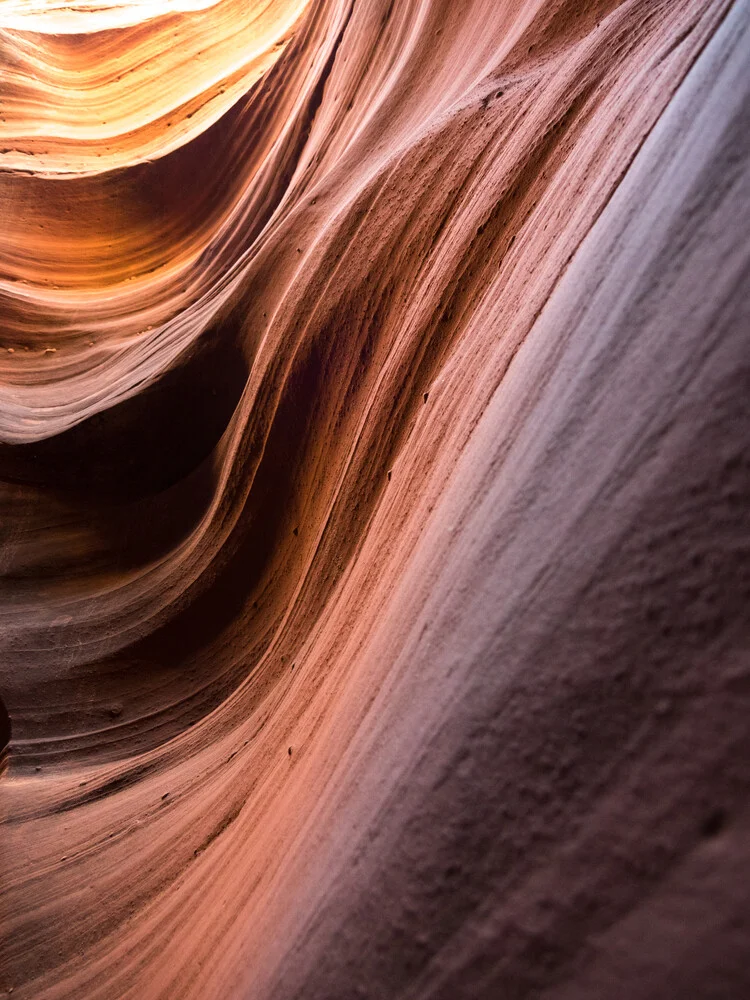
374,490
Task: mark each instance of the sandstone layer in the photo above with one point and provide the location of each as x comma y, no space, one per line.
374,491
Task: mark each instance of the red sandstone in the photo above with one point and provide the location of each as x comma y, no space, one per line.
374,489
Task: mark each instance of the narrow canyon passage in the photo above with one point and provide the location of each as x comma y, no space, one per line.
374,491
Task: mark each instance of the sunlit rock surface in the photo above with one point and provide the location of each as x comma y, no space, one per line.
374,491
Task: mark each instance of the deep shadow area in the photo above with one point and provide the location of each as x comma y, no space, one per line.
158,686
149,442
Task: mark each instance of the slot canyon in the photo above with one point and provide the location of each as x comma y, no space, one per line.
375,499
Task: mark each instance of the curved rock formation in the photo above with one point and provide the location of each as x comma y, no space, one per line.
374,480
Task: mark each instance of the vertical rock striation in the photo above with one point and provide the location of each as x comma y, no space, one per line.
374,480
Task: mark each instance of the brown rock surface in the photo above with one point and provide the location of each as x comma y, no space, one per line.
374,490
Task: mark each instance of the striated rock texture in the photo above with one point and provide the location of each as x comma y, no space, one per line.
374,499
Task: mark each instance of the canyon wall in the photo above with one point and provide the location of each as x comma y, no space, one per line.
374,490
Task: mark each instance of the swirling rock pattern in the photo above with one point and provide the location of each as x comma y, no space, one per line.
374,480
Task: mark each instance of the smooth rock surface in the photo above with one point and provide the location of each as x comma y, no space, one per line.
374,491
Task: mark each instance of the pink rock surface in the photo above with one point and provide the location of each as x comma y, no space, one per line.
374,490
